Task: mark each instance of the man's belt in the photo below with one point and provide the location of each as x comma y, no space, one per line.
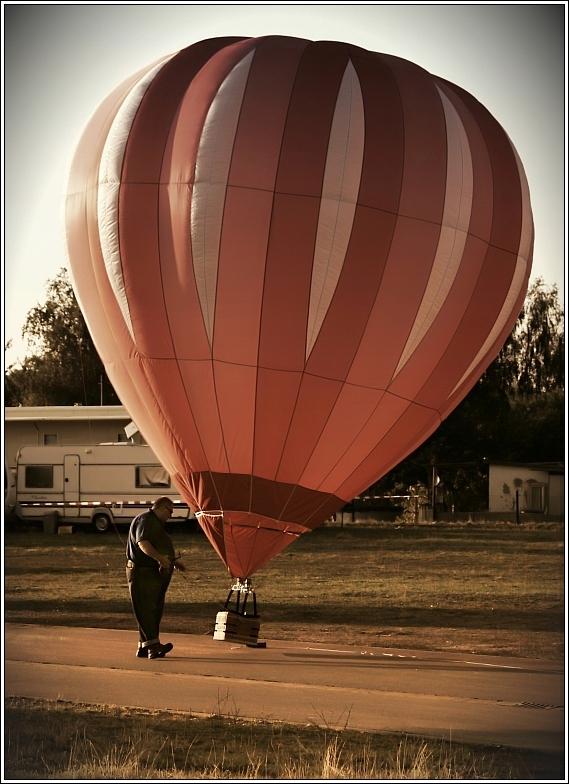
131,565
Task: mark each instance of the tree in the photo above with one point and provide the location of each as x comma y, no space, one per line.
64,368
532,361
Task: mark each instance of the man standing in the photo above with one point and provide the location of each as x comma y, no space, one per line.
150,563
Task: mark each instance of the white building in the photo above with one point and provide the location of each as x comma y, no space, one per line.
52,425
537,488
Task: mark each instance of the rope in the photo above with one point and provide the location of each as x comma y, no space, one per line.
118,533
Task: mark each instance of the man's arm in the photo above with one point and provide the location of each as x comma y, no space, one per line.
149,550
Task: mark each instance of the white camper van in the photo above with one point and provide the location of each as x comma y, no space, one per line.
94,485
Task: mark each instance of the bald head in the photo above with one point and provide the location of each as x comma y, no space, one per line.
163,508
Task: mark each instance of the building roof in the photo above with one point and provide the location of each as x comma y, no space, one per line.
53,413
551,468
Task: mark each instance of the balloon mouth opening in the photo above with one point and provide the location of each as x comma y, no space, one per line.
245,541
251,520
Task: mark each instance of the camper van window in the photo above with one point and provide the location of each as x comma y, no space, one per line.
152,476
39,476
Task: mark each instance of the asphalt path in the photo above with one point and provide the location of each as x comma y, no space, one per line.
482,699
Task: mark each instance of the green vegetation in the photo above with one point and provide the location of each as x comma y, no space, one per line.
63,368
63,741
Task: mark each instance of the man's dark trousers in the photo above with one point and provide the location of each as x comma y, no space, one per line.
148,588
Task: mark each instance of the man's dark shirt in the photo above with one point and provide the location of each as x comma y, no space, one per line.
147,526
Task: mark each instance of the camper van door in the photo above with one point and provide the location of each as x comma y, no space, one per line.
71,485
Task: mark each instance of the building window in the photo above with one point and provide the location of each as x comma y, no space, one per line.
151,476
537,497
50,439
39,476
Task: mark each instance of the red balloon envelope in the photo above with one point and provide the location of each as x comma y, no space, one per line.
295,259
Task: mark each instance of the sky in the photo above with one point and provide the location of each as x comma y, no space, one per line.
62,60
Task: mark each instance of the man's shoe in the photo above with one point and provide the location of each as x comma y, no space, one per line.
159,651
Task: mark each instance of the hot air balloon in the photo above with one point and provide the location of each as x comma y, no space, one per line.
295,259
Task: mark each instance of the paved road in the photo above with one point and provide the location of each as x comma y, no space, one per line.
483,699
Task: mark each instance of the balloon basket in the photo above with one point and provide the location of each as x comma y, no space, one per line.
239,622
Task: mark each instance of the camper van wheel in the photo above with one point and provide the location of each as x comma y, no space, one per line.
101,523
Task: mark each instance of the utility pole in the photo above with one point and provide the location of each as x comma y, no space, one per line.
434,480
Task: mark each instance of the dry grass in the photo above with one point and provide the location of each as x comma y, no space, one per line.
59,741
485,588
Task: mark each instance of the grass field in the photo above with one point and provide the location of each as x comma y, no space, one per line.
489,589
485,588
